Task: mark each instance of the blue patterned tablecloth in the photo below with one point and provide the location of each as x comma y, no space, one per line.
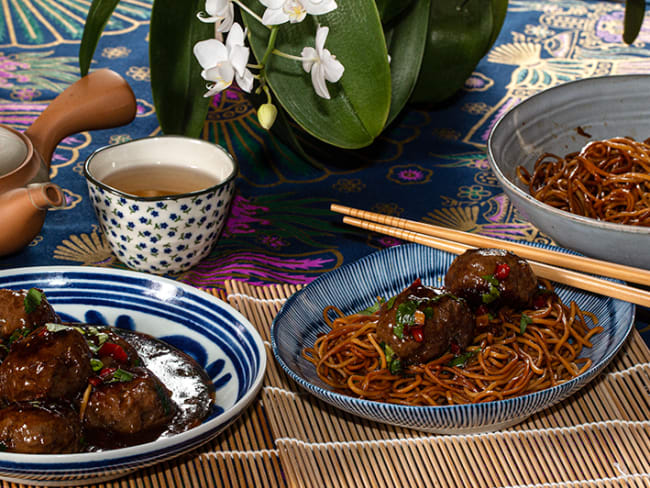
430,166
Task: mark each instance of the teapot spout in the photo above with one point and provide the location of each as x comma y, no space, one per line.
22,213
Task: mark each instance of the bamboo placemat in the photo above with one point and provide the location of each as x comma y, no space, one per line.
597,438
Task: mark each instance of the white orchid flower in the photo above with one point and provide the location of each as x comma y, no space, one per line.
281,11
223,63
222,11
322,64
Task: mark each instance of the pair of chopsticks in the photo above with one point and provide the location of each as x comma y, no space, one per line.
552,265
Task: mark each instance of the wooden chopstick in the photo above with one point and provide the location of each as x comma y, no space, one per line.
548,256
559,275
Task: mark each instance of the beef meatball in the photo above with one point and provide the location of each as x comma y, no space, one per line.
422,323
126,409
46,364
40,429
14,316
493,277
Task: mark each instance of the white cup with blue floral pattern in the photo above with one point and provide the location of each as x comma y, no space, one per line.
161,201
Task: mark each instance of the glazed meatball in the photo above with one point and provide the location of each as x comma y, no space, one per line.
492,277
126,408
422,323
45,365
13,315
40,429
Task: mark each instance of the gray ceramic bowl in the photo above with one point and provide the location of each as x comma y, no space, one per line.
550,121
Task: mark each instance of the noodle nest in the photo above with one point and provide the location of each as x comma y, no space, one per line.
513,353
608,180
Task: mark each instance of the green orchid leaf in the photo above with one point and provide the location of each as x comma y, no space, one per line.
98,14
176,83
390,10
459,35
634,13
406,41
358,109
499,10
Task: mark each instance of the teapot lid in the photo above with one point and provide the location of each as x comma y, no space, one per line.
13,150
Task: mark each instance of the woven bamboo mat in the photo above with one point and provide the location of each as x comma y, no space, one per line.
597,438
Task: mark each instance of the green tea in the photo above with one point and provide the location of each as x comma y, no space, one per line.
154,180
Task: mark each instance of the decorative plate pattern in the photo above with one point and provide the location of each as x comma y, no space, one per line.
355,286
221,340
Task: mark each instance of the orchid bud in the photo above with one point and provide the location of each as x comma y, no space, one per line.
266,114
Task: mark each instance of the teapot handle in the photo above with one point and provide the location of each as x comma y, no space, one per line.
99,100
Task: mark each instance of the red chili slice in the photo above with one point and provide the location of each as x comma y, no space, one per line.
106,372
455,348
95,381
113,350
417,333
502,271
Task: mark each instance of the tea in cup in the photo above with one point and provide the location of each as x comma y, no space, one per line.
161,201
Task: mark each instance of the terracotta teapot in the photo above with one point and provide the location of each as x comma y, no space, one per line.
100,100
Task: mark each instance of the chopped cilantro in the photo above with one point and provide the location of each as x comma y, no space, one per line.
405,314
121,376
523,323
392,361
33,300
493,290
19,334
491,279
428,312
460,360
373,308
390,302
398,330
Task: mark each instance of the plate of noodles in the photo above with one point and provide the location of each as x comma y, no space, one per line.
507,363
574,162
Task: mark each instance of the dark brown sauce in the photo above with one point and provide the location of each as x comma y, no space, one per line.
191,390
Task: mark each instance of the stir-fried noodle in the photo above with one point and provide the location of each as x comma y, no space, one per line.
607,180
508,357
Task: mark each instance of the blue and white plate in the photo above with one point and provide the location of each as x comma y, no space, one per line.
355,286
218,337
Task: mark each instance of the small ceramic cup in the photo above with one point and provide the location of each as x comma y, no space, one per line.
162,234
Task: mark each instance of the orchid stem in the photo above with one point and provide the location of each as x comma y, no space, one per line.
250,12
271,46
285,55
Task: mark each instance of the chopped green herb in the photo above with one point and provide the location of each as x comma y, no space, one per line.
523,323
390,302
33,300
121,376
3,447
395,366
405,314
52,327
392,361
96,364
19,334
460,360
493,290
398,330
373,308
428,312
491,279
